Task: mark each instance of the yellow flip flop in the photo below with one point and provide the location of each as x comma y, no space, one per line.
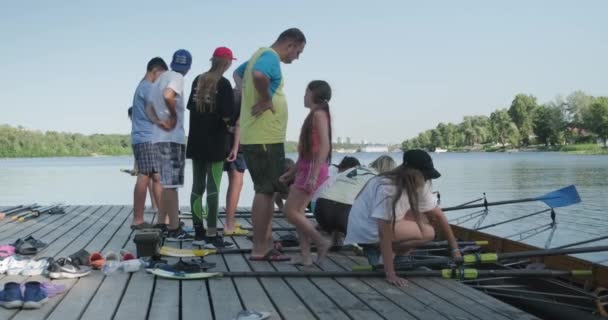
236,232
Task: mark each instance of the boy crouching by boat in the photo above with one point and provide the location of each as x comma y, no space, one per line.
396,211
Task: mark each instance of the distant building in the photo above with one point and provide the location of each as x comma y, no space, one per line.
374,148
339,140
347,140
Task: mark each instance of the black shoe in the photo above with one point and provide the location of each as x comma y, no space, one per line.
24,248
66,269
217,242
35,242
81,257
178,235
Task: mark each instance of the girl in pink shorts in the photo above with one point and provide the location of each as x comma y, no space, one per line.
310,171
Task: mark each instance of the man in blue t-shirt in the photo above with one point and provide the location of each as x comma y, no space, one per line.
146,155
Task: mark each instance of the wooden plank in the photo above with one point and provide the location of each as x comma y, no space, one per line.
365,292
490,302
110,291
347,302
321,305
195,302
473,307
250,290
224,296
16,230
445,308
136,298
57,246
80,295
286,300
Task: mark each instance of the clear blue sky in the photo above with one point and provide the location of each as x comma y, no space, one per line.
396,67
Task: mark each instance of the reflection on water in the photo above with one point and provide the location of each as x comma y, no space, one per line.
465,176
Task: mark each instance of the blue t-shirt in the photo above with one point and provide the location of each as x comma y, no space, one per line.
270,65
141,126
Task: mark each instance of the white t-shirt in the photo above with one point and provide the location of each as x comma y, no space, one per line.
174,81
345,186
375,202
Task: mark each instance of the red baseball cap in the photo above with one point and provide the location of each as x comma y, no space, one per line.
223,52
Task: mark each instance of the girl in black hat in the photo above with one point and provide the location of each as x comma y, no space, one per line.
397,211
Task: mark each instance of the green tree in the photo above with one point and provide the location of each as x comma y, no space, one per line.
522,112
596,118
500,123
577,104
549,124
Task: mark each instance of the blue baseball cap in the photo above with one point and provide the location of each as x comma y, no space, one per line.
182,60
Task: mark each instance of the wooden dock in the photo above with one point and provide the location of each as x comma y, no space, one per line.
142,296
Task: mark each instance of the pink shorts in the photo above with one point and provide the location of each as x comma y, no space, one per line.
303,172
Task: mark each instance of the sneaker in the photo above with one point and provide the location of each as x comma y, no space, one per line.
217,242
34,297
66,269
200,235
11,296
35,267
178,235
16,266
204,265
81,257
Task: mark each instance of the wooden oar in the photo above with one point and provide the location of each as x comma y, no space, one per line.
559,198
445,273
19,210
484,258
430,245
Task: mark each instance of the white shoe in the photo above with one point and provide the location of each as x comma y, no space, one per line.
35,267
16,267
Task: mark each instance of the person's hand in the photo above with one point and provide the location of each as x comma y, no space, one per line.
232,155
286,177
396,281
168,124
456,254
259,108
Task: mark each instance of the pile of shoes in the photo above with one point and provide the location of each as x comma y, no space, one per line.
14,258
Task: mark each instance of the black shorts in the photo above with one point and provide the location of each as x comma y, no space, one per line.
238,164
266,163
332,215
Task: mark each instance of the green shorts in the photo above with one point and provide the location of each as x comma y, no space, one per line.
266,163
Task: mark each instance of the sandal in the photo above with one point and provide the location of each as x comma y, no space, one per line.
273,255
236,232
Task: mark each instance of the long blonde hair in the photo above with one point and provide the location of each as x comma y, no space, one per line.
383,163
409,180
206,89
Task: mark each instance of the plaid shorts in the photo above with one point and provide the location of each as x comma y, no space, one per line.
147,159
172,164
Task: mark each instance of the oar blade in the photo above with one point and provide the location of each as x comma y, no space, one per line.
562,197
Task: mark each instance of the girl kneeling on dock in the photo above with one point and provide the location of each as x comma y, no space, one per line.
397,210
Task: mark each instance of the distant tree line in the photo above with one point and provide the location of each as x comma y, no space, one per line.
579,118
19,142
